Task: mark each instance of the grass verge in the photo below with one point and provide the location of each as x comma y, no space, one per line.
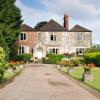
78,72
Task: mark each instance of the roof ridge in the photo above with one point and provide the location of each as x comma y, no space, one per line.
52,25
79,28
25,27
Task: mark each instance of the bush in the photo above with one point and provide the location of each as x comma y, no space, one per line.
52,58
24,57
3,63
93,58
76,60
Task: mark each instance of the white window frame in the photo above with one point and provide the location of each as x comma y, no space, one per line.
54,50
79,51
23,49
53,37
23,36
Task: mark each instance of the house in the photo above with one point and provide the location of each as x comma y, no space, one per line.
54,38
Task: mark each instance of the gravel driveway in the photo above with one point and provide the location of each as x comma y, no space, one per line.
43,82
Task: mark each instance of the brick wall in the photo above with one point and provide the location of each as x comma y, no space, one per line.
32,38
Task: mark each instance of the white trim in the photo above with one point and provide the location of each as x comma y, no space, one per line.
23,34
26,49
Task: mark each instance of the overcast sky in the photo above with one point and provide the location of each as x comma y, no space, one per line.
83,12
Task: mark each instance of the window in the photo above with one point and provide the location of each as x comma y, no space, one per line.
53,37
80,36
22,36
23,49
79,51
55,51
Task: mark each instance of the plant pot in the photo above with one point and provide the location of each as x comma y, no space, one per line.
87,76
70,69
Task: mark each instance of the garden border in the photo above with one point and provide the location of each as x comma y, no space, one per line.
10,80
81,84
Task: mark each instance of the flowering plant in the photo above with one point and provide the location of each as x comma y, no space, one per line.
87,67
63,63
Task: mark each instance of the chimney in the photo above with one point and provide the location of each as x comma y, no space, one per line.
66,22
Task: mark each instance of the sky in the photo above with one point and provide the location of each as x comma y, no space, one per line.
83,12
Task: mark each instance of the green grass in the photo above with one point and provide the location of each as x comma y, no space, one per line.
77,74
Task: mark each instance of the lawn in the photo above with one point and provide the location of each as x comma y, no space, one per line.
77,74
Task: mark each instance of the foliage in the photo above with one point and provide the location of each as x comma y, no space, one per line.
10,21
69,54
23,57
87,67
13,64
78,74
4,45
63,63
3,63
40,24
52,58
93,58
76,60
94,48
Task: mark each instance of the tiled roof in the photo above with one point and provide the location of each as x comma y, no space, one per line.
25,27
52,26
79,28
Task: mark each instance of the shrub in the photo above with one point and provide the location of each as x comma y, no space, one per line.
93,58
3,63
76,60
52,58
23,57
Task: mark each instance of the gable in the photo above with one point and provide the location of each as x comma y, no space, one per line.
25,27
52,26
79,28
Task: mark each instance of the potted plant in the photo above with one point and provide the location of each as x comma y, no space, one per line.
87,72
70,66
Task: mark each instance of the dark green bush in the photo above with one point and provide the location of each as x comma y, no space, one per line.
52,58
93,58
24,57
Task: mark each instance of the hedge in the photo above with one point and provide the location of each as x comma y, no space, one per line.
52,58
93,58
23,57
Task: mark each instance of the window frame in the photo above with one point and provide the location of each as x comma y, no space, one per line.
53,37
21,50
54,50
23,36
79,51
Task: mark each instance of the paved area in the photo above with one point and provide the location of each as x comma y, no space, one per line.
44,82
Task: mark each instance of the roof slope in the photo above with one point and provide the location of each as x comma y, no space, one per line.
25,27
79,28
52,26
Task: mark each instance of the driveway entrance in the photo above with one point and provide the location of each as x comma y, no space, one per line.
44,82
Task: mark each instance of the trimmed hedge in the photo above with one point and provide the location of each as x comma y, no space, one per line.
52,58
24,57
93,58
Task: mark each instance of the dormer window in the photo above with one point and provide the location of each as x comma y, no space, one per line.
53,37
22,36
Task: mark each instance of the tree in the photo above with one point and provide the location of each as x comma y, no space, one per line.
4,45
10,21
40,24
94,48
